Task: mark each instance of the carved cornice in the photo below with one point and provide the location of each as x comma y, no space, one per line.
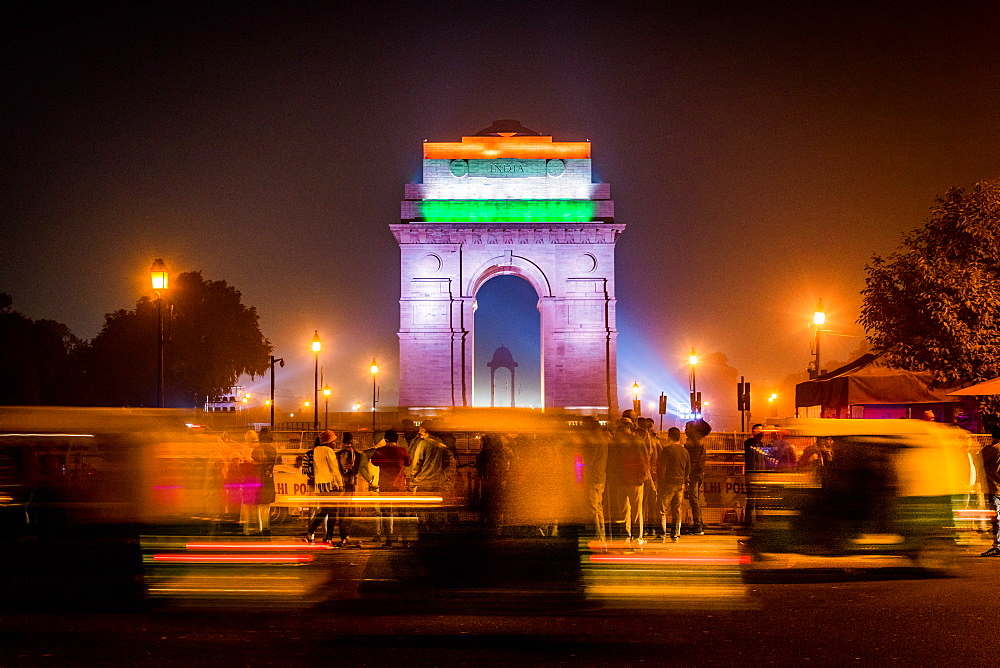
506,234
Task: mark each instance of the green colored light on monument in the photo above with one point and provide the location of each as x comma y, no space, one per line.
507,210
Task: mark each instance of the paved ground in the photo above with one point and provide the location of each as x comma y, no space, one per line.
700,615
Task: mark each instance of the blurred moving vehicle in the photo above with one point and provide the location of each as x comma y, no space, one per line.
889,488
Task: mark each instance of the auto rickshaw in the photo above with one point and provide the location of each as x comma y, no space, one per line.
887,487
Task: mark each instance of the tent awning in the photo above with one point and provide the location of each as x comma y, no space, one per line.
986,388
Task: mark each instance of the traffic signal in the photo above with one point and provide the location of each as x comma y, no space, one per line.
663,404
743,396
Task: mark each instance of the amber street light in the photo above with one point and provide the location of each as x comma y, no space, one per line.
161,280
636,402
326,407
374,393
774,407
819,319
316,346
695,403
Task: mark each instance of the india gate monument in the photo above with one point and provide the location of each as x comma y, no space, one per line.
508,200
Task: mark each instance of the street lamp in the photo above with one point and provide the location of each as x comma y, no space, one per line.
819,319
636,402
695,397
316,345
280,361
326,408
774,407
161,280
374,393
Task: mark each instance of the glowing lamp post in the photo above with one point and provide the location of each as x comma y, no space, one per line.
270,402
695,399
161,280
819,319
374,393
326,407
636,401
774,407
316,346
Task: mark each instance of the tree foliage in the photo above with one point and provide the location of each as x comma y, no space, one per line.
934,305
212,339
36,359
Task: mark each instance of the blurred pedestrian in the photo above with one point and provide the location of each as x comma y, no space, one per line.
990,455
673,467
493,469
594,451
782,453
391,459
349,462
264,457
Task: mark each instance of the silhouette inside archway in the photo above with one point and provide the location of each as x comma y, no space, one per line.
507,317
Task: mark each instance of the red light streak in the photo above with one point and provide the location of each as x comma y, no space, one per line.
233,559
237,547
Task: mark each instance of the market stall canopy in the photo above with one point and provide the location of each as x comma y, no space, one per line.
867,381
986,388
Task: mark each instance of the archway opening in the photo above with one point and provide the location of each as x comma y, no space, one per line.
507,316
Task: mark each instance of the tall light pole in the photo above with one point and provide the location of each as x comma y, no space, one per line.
270,402
819,319
317,346
374,393
326,407
636,403
695,399
161,280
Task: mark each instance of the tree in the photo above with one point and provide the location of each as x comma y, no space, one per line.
212,340
36,359
934,305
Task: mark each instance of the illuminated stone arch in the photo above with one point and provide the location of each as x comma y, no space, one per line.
508,201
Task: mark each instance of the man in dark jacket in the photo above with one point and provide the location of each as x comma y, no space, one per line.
695,431
672,471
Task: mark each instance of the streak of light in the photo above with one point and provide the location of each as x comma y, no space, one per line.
257,546
232,559
652,559
343,500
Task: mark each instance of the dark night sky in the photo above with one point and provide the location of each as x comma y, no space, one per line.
760,154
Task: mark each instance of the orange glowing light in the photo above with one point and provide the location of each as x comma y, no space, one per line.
320,500
506,147
644,559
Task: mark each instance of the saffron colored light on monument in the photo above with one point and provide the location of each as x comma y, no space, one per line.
506,147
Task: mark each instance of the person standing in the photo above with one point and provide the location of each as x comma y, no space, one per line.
783,453
392,460
628,469
754,459
651,440
695,431
326,474
672,473
991,487
430,469
349,462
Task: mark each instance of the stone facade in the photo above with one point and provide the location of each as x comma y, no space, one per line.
523,205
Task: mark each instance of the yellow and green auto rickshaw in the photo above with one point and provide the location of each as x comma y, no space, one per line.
883,487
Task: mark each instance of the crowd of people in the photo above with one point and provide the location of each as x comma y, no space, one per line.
636,483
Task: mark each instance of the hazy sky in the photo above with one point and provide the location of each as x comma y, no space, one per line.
759,153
